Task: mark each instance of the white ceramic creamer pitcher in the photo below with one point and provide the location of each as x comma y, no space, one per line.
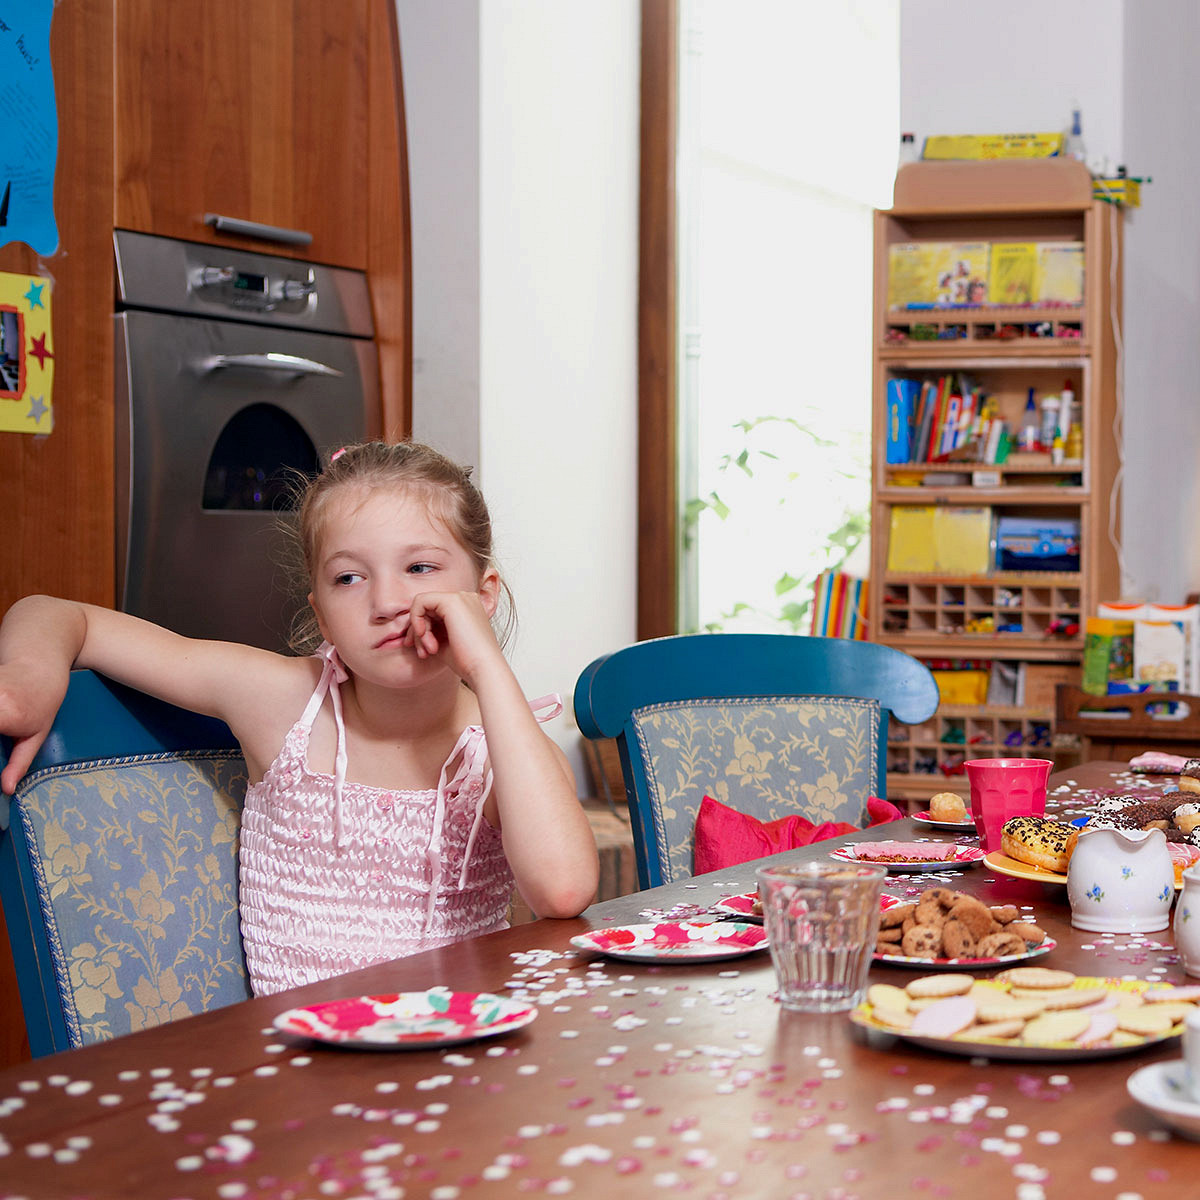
1187,923
1121,881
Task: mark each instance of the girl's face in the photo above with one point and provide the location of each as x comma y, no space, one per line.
380,548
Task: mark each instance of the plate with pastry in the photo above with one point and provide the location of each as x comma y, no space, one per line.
1032,1013
748,907
943,929
928,819
911,856
1034,848
946,811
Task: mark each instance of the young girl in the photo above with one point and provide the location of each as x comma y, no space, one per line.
399,781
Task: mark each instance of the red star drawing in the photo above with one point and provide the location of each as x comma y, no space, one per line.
39,351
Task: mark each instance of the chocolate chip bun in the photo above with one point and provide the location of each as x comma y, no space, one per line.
1189,776
1040,842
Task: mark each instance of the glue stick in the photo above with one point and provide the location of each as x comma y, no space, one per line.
1064,412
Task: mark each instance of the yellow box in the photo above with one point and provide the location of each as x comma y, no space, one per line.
1118,191
993,145
962,687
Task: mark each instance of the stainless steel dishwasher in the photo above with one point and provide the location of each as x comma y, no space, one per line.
235,373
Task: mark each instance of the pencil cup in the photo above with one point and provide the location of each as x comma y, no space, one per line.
1002,788
821,919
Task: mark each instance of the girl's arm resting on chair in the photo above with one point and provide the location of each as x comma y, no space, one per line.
42,638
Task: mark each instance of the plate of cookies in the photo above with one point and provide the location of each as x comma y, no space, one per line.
944,929
911,856
1029,1013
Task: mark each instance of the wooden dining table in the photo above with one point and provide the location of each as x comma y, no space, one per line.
635,1079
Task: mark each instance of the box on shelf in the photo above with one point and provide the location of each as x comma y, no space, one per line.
962,686
928,539
1186,616
1107,653
942,147
1037,544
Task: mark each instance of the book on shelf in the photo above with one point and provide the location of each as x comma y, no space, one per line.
1060,273
902,397
937,274
1013,273
942,421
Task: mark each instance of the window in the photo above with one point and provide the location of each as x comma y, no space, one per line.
786,142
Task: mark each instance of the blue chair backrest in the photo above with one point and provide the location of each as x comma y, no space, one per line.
118,868
770,724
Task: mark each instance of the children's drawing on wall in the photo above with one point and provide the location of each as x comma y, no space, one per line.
26,355
29,125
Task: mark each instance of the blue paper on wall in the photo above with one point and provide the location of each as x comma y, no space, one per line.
28,126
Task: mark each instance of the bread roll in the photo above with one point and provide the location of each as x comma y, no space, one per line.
947,806
1040,842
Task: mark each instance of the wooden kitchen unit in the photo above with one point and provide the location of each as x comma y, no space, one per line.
279,112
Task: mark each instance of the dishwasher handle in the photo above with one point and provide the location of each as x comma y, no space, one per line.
289,364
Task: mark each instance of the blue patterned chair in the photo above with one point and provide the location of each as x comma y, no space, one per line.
118,868
769,724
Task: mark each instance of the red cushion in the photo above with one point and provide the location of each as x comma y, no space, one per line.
726,837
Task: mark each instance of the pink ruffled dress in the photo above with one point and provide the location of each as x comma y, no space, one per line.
336,876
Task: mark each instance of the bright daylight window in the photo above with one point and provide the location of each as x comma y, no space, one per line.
788,135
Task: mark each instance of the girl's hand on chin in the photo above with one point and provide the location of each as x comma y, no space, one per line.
454,625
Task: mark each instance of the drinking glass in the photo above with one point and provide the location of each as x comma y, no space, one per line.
1002,788
821,919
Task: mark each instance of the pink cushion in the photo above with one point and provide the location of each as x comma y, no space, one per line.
726,837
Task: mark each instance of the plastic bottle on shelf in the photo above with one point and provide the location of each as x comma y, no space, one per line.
1050,410
1064,412
1073,445
908,148
1073,145
1030,426
1057,449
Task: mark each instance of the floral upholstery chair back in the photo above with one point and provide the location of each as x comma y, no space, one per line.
133,862
771,757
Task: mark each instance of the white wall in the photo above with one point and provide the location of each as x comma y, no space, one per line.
525,301
1130,65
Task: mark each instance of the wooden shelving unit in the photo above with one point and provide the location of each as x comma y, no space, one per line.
1012,617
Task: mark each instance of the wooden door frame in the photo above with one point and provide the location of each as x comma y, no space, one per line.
658,475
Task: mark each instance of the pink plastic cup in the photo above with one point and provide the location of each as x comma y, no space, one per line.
1002,788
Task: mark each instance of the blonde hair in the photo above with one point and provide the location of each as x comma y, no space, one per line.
444,485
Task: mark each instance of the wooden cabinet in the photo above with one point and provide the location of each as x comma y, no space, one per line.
284,112
1027,625
254,111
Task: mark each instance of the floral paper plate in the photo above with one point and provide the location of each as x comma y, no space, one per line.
956,860
676,941
406,1020
743,906
926,818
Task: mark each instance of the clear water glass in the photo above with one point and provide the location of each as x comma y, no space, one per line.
821,919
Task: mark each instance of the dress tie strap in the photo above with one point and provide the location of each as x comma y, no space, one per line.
332,674
471,752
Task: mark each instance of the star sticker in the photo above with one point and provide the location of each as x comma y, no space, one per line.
37,408
39,351
34,295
